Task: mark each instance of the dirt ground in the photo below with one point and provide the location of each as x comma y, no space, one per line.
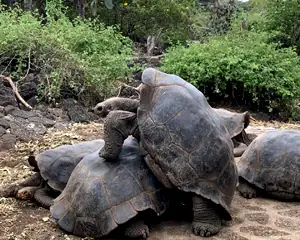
252,219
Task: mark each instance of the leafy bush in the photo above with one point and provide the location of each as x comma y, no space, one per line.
169,20
241,67
284,16
78,57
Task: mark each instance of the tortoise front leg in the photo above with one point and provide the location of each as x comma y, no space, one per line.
12,190
246,190
118,125
136,228
43,198
207,221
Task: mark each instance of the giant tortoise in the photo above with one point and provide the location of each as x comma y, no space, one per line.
185,145
271,166
236,123
102,195
53,168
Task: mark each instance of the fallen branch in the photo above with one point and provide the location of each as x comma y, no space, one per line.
14,88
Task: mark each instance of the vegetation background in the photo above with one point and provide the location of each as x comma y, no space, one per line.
245,54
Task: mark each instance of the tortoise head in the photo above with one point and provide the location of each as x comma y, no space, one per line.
32,162
102,109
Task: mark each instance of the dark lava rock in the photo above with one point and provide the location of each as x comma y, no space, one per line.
7,96
42,120
8,109
22,113
28,90
4,123
26,131
7,141
2,131
75,110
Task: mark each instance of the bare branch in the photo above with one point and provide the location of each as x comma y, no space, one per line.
29,63
8,64
14,88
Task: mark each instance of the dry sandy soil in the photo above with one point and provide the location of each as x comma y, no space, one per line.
252,219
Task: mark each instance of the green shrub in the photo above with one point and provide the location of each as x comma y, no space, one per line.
170,21
284,16
76,57
241,67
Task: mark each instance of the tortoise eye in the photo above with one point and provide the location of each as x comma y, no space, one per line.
100,108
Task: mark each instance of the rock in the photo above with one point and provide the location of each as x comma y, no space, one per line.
25,131
2,131
8,109
1,115
28,90
7,96
4,123
58,113
61,126
36,129
75,110
7,141
32,101
42,120
19,131
48,122
22,113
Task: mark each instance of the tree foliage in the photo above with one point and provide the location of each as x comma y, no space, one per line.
169,20
78,57
284,16
241,67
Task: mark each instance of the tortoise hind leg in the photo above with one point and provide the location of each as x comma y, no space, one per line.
136,228
118,125
12,190
246,190
207,221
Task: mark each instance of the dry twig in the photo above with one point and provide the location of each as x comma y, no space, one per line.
14,88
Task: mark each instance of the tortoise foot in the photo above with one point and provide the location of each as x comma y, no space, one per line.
205,229
246,190
207,221
26,193
137,229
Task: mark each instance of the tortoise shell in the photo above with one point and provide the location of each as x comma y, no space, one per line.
234,122
56,165
101,195
272,162
185,137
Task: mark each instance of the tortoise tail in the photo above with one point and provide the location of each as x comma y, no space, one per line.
43,198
